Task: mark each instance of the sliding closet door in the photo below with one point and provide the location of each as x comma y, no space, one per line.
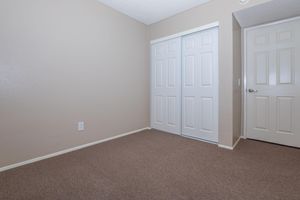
200,85
166,86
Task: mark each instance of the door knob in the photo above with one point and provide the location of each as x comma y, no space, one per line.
252,91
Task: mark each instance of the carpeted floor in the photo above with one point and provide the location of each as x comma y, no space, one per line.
152,165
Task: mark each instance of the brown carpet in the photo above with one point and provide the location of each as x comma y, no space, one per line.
154,165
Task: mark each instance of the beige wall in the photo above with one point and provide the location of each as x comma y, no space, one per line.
62,61
215,10
237,79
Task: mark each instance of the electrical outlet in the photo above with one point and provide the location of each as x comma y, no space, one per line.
80,126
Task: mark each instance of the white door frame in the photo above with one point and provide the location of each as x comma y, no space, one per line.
181,34
244,42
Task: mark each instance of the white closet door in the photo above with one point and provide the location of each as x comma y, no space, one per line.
166,86
200,85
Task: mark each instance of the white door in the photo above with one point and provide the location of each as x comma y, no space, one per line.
200,85
273,83
166,86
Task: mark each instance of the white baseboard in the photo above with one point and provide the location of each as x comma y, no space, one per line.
68,150
225,147
229,147
243,137
236,143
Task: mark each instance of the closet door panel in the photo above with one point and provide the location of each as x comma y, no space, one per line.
200,85
166,86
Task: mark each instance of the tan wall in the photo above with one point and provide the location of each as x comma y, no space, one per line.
70,60
237,75
62,61
215,10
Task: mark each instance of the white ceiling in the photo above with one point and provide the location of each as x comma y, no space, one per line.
268,12
151,11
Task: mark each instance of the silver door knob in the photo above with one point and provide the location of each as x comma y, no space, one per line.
252,91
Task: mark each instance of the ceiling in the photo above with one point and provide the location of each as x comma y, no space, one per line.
268,12
152,11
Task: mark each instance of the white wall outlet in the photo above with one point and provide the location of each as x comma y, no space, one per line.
80,126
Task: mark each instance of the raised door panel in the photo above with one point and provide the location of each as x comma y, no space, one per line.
207,113
172,73
262,68
261,39
285,66
159,74
159,109
206,39
285,115
261,116
189,117
171,111
189,70
206,72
